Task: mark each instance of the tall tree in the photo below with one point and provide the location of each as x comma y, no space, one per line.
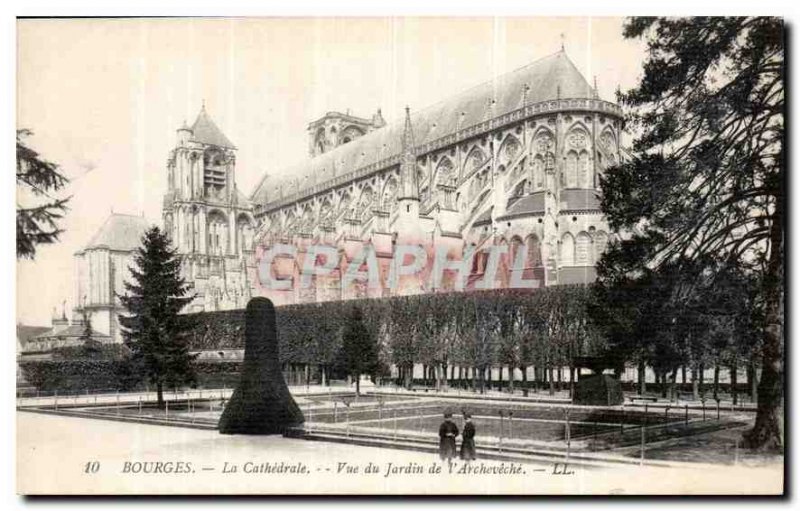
153,327
705,178
37,178
359,353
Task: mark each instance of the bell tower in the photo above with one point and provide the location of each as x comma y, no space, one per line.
209,220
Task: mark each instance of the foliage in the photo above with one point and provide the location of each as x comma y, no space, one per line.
91,350
78,375
475,329
37,177
359,352
702,193
152,330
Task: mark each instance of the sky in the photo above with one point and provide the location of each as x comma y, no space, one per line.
104,97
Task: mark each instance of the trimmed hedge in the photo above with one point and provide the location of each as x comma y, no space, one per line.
80,375
95,375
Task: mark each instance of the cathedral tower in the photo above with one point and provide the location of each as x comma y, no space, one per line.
209,220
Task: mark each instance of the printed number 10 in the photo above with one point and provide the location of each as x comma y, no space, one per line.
92,467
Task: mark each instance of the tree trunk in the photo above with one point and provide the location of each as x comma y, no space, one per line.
358,385
752,381
160,395
560,378
551,375
323,375
510,379
524,370
716,381
768,429
695,384
683,375
734,381
572,373
500,379
642,375
673,392
702,381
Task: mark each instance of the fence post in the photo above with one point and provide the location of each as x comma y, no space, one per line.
510,425
717,408
55,401
686,415
394,417
118,403
568,434
140,406
501,431
166,410
334,411
736,452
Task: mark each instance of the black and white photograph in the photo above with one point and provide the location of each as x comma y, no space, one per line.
400,255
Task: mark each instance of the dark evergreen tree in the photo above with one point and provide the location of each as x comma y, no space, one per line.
705,180
359,352
153,327
38,222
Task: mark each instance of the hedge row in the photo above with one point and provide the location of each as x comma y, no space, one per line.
519,327
110,375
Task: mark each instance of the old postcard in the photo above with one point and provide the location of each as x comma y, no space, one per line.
400,255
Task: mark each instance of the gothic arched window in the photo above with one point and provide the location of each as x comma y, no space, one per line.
217,233
584,175
534,251
572,169
567,250
583,253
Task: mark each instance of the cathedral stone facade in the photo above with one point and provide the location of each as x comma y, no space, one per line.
209,220
513,161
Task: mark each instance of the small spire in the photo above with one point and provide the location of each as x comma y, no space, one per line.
562,41
596,91
409,188
203,105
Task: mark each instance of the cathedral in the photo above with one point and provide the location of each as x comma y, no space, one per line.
513,161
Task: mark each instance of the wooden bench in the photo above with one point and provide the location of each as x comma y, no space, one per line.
641,398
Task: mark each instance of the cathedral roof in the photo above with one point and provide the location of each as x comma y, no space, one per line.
549,78
527,205
205,131
74,330
120,232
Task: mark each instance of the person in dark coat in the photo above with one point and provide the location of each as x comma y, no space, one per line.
448,432
468,439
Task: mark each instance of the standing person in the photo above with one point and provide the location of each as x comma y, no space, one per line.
448,432
468,439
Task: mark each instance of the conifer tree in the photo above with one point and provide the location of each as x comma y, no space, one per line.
359,352
152,327
705,180
37,178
